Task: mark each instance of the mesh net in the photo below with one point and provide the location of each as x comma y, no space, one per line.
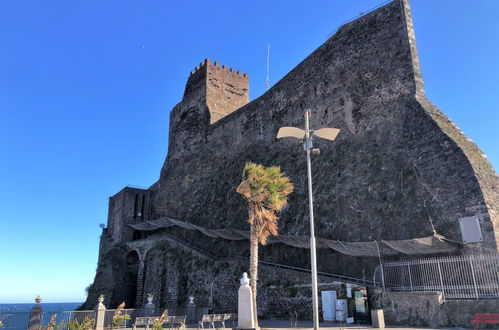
416,246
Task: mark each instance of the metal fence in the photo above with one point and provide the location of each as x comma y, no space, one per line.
78,316
457,277
14,320
123,323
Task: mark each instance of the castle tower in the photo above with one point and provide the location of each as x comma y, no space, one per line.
222,89
211,93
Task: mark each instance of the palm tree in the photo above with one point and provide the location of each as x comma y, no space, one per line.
266,190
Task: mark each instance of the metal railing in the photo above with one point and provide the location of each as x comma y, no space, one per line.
457,277
78,316
14,320
124,323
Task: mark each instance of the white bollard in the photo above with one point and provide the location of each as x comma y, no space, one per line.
245,305
378,318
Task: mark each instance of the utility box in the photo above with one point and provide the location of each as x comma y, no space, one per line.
470,229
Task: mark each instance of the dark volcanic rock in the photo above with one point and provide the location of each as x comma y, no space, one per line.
397,162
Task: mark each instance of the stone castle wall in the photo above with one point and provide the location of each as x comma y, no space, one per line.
391,168
398,162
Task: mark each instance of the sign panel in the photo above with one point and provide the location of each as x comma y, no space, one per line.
470,229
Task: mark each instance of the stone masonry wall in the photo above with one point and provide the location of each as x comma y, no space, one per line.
392,167
429,309
175,273
397,163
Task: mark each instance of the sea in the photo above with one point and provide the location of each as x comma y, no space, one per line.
16,316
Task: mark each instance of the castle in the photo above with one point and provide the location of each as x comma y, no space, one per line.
400,169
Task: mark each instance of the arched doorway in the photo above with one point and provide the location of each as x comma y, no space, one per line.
132,269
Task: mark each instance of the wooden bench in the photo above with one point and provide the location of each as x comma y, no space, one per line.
484,319
144,320
221,318
175,320
207,318
171,320
232,317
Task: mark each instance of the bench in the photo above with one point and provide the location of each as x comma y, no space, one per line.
174,319
144,320
232,317
171,320
484,319
221,318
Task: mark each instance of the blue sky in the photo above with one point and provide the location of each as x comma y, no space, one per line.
86,88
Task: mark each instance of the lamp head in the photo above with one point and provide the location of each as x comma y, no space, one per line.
290,132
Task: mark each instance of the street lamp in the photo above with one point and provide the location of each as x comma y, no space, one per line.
307,135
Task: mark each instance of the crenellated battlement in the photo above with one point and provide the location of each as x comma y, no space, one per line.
208,62
221,88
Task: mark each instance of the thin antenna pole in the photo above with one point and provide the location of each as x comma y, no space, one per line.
267,80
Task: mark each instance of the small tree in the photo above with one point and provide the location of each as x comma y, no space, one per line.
266,190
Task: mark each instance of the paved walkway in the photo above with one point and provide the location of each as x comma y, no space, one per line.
307,325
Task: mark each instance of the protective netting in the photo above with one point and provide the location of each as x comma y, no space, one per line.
424,245
415,246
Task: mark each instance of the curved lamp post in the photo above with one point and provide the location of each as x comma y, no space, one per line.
307,135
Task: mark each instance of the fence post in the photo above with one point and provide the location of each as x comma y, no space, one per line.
100,313
473,276
410,277
35,317
441,278
381,265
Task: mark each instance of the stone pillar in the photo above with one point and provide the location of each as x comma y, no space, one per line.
100,313
149,307
245,305
35,317
140,282
191,310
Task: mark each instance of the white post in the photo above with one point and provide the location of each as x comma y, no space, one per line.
100,313
381,265
473,276
410,277
313,259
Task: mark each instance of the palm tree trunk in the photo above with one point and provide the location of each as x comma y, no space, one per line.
254,269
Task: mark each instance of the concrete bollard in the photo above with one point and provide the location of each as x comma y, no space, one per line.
100,313
35,317
245,305
378,318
